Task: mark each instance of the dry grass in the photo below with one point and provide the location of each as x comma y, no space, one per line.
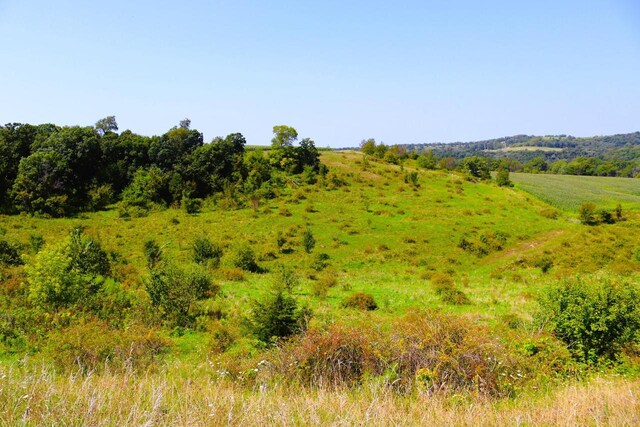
41,397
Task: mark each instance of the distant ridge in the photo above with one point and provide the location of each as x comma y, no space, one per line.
550,147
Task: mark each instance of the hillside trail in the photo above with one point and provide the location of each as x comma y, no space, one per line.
524,246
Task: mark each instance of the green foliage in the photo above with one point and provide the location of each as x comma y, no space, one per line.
206,251
36,242
277,317
586,214
152,254
308,241
10,253
100,196
446,290
477,167
245,259
502,178
87,255
285,278
52,283
81,346
596,319
360,301
67,273
320,262
174,291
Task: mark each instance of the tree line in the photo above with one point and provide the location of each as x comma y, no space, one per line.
601,159
55,170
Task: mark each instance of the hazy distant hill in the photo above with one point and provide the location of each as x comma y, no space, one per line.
551,147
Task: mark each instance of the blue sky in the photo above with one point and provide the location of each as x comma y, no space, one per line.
337,71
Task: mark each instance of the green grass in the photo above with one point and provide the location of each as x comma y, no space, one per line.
383,237
568,192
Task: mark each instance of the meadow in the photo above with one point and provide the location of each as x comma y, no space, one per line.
570,191
472,255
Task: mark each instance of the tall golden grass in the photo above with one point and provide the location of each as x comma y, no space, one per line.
174,396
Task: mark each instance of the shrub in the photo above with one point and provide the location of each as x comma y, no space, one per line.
544,263
452,296
173,292
100,197
320,262
81,346
10,253
424,350
586,214
152,253
596,318
440,280
204,250
233,274
549,213
502,178
334,357
245,259
36,242
191,205
361,301
52,283
87,255
286,278
604,216
277,317
308,241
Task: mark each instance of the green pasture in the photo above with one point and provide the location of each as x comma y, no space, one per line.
568,192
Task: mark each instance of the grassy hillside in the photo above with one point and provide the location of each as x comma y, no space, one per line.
569,192
478,252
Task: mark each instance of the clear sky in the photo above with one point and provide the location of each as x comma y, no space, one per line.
337,71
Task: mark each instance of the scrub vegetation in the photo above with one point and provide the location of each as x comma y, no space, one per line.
312,287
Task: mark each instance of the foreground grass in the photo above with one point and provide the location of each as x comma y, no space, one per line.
39,396
569,192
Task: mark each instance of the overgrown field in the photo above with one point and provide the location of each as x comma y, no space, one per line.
411,296
570,191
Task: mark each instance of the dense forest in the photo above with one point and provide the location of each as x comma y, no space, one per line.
55,171
614,155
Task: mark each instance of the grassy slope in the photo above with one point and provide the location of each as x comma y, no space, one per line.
569,192
383,237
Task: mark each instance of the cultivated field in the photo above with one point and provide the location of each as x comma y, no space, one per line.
569,192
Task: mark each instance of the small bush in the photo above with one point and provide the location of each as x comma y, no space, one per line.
360,301
308,241
320,262
277,317
87,255
191,205
36,242
204,250
596,319
550,213
174,291
286,278
441,280
586,214
233,274
100,197
452,296
544,263
604,216
152,253
10,253
81,346
245,259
